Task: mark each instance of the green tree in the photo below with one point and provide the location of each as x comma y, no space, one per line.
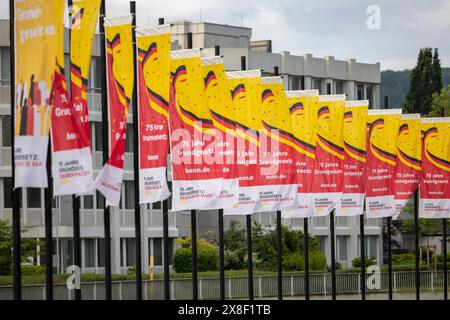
441,104
426,79
28,248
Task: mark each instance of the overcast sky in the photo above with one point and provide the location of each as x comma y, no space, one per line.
321,27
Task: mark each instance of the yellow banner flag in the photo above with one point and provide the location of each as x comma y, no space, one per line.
222,112
382,135
354,163
409,160
303,107
245,87
153,46
327,182
38,37
120,82
197,180
435,179
277,143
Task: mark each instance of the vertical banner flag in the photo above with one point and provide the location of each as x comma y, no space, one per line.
277,144
196,177
71,131
245,87
120,81
302,106
153,46
409,158
382,135
435,180
38,31
327,181
354,164
222,113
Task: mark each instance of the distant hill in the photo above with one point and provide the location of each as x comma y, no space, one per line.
395,84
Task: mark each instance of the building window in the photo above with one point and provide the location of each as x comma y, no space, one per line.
95,80
129,139
101,252
322,242
7,191
157,252
34,198
369,95
359,92
88,202
89,253
156,205
100,200
129,194
341,248
5,67
317,84
6,131
130,248
98,136
295,83
329,88
339,87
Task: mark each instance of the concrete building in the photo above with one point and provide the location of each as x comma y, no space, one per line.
357,80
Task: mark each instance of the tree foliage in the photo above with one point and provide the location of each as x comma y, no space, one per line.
441,104
426,79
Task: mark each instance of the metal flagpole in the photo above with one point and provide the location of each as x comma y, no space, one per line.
75,199
193,223
15,194
444,249
137,206
249,229
416,243
221,234
165,213
48,229
333,256
279,237
389,233
306,255
363,256
106,212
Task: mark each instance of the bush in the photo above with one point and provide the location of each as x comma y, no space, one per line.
317,261
356,263
182,260
294,262
404,258
207,257
235,259
31,270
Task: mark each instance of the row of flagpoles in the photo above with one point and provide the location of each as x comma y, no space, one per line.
257,149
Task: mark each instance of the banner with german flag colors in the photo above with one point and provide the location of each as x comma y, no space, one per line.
303,106
382,136
153,50
38,38
196,177
327,182
245,87
354,164
120,82
71,130
435,179
277,145
222,113
409,160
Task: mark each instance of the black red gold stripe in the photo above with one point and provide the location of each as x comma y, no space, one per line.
240,88
296,107
209,77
